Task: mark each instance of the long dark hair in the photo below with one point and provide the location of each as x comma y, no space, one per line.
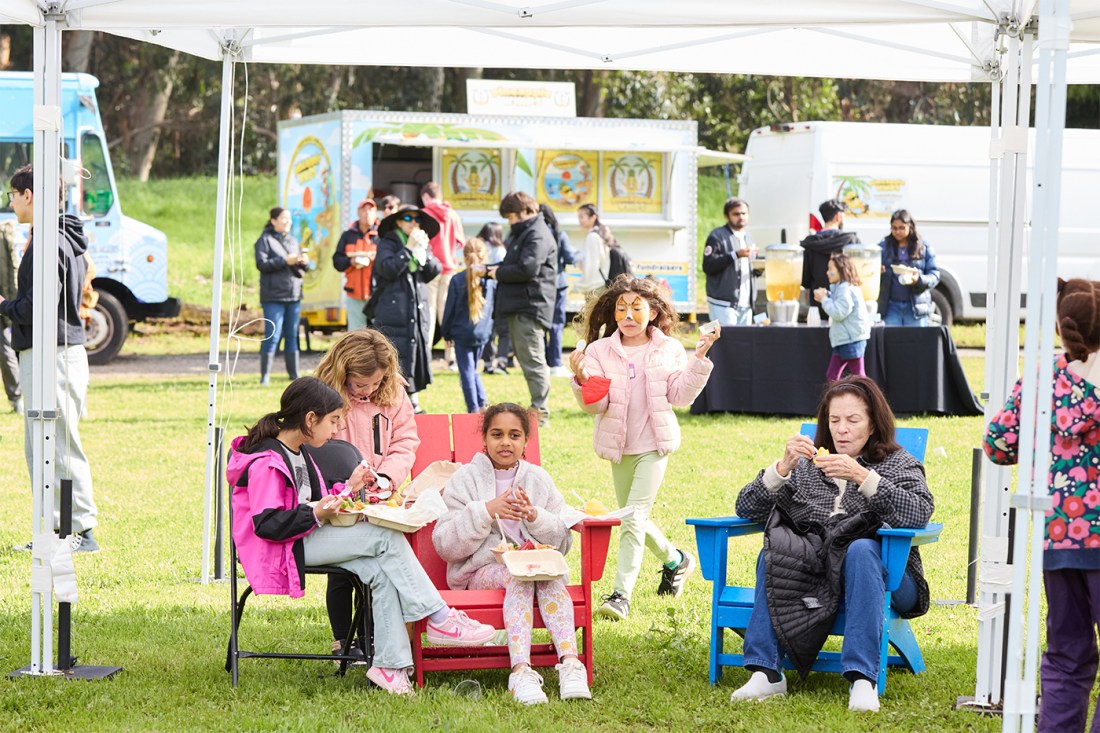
1079,317
492,233
551,221
598,318
913,241
881,442
301,397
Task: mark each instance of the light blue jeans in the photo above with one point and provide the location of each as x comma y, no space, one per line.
901,314
71,372
729,315
280,320
354,309
400,589
864,600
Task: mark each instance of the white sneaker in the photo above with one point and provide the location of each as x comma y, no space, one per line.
526,686
573,680
560,371
758,688
863,697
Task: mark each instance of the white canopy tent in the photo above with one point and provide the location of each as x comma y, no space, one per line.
932,40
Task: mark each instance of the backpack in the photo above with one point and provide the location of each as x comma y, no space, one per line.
619,263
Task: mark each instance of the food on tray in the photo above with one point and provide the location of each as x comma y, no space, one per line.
504,547
594,507
349,504
531,545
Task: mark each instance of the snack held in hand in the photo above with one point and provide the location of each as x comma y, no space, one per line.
822,451
594,507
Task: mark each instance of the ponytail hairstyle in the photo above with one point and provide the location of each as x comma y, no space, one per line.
1079,317
301,397
361,353
845,268
598,318
913,241
474,253
601,229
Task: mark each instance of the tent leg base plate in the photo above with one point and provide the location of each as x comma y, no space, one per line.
81,672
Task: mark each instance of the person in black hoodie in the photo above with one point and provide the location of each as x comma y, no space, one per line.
71,374
528,277
821,245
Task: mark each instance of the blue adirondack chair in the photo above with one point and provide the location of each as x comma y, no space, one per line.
731,606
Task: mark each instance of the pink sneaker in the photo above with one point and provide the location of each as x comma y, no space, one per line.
393,681
459,630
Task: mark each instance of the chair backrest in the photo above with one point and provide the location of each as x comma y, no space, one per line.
914,440
435,441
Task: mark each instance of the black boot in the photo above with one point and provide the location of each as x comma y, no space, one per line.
291,360
265,368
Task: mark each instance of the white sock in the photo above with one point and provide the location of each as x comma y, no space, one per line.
863,696
440,616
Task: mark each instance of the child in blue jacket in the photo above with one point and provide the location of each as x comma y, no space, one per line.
468,320
851,326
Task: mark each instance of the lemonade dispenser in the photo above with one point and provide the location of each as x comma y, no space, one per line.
867,259
783,278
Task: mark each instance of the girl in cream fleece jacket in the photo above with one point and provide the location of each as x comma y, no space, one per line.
498,485
630,379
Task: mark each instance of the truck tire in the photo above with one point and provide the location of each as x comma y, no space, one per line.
941,306
106,330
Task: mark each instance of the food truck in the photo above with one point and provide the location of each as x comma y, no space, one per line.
640,175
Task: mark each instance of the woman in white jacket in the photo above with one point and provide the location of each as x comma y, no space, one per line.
597,259
499,490
629,378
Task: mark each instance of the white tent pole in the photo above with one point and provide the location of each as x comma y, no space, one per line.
1032,497
42,411
229,54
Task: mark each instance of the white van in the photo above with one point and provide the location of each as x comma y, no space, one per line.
939,173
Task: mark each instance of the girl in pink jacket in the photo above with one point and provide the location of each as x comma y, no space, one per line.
280,507
363,367
629,377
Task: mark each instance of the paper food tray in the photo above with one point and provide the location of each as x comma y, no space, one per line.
536,565
391,517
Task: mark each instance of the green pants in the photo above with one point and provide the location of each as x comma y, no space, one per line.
637,479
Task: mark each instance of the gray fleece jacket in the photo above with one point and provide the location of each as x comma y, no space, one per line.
464,536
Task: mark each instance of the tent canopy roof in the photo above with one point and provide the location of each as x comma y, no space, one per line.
920,40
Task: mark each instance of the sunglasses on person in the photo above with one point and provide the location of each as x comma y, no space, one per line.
406,217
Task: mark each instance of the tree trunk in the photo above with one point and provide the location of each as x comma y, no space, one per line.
78,51
145,140
433,89
591,94
459,102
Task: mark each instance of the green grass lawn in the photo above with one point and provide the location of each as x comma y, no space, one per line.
142,608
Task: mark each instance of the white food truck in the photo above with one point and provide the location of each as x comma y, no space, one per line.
640,175
940,174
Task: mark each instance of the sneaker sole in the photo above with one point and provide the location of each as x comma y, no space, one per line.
450,641
608,613
577,695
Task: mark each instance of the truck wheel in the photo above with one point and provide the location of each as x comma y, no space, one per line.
941,307
106,330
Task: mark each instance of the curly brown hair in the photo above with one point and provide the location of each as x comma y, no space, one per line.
361,353
1079,317
598,318
845,268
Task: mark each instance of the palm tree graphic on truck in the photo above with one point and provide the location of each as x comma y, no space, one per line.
854,191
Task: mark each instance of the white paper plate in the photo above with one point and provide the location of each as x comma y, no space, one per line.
536,565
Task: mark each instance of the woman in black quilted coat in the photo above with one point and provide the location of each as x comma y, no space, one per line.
864,481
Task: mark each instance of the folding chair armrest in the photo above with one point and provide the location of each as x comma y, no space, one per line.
896,543
712,540
595,541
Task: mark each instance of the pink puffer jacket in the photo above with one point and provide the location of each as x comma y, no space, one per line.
671,379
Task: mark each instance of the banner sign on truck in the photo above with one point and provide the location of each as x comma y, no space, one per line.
471,178
631,183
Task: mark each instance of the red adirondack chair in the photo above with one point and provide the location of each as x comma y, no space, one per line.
487,606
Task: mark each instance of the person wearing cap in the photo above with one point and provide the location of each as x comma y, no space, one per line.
354,256
451,237
820,246
398,304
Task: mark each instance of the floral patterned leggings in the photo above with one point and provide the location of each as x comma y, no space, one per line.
555,605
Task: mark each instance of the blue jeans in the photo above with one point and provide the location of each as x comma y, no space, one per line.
281,320
901,314
864,597
353,307
400,589
729,315
472,388
557,327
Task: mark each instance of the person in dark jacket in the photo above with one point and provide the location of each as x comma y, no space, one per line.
9,361
821,245
566,256
281,263
909,274
354,256
727,263
69,373
864,470
468,320
398,306
528,277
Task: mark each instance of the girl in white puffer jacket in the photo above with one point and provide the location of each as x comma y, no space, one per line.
629,377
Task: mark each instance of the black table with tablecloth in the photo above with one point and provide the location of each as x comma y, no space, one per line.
777,370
